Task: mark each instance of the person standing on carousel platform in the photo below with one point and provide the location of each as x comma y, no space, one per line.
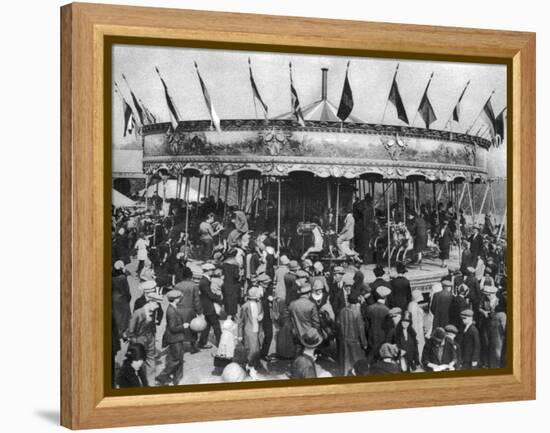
207,234
345,237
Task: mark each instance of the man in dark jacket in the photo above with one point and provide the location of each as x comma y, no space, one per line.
476,244
189,306
441,305
469,342
207,298
439,354
400,289
376,318
290,280
173,338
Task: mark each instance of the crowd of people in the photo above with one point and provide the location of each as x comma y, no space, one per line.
211,278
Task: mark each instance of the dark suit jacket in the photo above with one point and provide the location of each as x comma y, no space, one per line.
469,346
476,247
208,297
189,304
429,354
440,308
127,377
400,293
174,326
376,324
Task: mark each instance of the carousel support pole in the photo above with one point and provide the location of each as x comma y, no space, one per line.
198,194
209,184
337,204
328,195
471,204
493,198
278,219
186,212
267,195
403,201
258,196
483,201
387,194
219,179
225,198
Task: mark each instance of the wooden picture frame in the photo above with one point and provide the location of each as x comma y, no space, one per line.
85,165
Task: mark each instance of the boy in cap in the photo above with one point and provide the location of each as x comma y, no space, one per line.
173,338
142,330
469,342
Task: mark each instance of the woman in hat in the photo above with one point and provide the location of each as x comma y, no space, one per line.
404,337
251,315
439,354
417,319
387,363
445,239
231,287
132,374
351,334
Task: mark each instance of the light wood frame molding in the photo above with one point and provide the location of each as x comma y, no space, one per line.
84,403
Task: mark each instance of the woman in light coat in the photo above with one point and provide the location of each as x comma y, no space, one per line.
417,318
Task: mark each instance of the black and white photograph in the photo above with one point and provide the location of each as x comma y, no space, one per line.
283,216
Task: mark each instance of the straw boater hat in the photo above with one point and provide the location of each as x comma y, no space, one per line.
148,286
119,264
395,311
383,291
284,260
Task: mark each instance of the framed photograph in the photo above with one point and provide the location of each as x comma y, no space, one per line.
266,216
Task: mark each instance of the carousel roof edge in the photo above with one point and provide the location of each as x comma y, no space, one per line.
315,125
337,168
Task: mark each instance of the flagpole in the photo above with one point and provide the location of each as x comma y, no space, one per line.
480,111
423,95
388,98
166,90
457,102
253,98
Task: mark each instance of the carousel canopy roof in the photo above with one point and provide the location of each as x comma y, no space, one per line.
321,111
120,200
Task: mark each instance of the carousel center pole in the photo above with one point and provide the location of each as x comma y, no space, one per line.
278,219
186,213
387,194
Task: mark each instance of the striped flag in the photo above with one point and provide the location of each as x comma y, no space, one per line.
425,108
208,102
456,110
174,114
499,128
256,93
295,102
395,98
488,116
346,101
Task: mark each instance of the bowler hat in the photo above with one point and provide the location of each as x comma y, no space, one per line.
311,338
438,334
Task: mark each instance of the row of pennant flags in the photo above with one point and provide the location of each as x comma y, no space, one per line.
136,114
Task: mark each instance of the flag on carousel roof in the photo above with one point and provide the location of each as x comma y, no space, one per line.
457,110
129,120
425,108
295,102
395,98
139,109
256,93
208,101
499,128
488,116
346,101
151,118
174,114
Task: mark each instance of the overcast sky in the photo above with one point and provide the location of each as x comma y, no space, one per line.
225,74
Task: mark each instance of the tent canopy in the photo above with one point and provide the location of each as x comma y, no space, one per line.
120,200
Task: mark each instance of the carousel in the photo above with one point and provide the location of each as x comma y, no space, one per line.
288,176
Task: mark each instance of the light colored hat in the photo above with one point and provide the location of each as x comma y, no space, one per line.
395,311
339,270
208,267
446,283
388,351
154,297
467,313
119,264
471,269
270,250
383,291
174,294
179,255
347,280
302,274
318,266
490,289
254,293
293,265
263,278
284,260
307,263
305,288
148,286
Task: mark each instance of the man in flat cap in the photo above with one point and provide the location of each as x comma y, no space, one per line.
173,338
207,298
376,317
303,312
468,340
